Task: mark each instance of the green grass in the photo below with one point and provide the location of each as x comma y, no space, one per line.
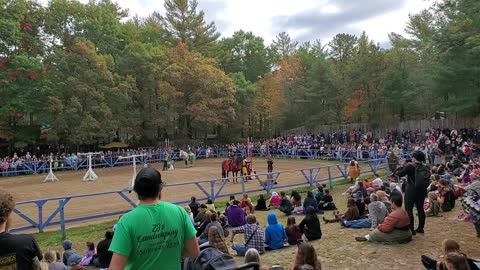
52,240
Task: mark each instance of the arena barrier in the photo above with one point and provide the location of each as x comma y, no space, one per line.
32,212
40,167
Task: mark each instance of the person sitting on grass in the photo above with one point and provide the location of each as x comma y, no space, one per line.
286,205
51,259
433,209
74,262
104,256
306,255
376,214
351,213
310,225
213,223
194,206
327,202
88,258
261,204
190,214
448,246
383,198
395,227
447,196
252,256
274,200
310,201
275,235
294,234
200,217
253,236
215,238
297,203
235,215
67,250
210,206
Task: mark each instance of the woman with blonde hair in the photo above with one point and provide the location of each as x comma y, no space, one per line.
50,258
216,239
306,255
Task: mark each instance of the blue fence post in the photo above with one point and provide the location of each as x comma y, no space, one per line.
243,183
40,204
61,206
330,180
212,190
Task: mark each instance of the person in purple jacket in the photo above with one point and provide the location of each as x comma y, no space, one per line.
235,215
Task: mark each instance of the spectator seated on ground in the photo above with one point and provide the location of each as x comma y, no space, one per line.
253,236
202,227
310,225
261,204
88,258
376,214
377,183
236,215
190,214
286,205
274,200
297,203
351,213
213,223
216,239
275,236
200,217
104,256
194,206
294,234
74,262
447,197
433,209
395,190
224,222
210,206
448,247
395,227
252,256
434,184
16,251
306,255
318,191
326,204
383,197
67,250
50,258
310,201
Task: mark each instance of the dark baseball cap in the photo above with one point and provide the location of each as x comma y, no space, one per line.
148,183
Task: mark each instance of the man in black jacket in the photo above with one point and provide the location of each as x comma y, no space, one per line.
415,193
16,251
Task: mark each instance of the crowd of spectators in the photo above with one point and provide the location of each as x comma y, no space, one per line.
164,233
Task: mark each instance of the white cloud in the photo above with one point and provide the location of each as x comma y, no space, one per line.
258,16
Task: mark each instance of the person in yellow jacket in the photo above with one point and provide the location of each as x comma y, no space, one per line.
353,170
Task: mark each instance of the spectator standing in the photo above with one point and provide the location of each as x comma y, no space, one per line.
418,180
155,232
16,251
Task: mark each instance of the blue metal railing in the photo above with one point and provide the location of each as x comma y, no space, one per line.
215,190
40,167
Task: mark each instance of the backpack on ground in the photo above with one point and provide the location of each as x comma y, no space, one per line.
422,177
210,258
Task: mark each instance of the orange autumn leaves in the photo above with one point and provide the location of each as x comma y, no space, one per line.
271,96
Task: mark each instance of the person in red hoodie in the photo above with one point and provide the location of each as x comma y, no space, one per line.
395,227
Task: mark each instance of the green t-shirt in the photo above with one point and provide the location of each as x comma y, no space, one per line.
152,236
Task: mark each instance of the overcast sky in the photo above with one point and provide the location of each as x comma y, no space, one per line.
302,19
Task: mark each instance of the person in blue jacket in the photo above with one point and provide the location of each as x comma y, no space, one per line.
275,235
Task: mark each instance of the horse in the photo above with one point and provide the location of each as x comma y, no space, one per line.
232,165
184,156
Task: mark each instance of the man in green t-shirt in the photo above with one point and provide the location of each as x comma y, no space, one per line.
154,235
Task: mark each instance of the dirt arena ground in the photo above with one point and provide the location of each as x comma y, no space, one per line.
336,250
118,178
